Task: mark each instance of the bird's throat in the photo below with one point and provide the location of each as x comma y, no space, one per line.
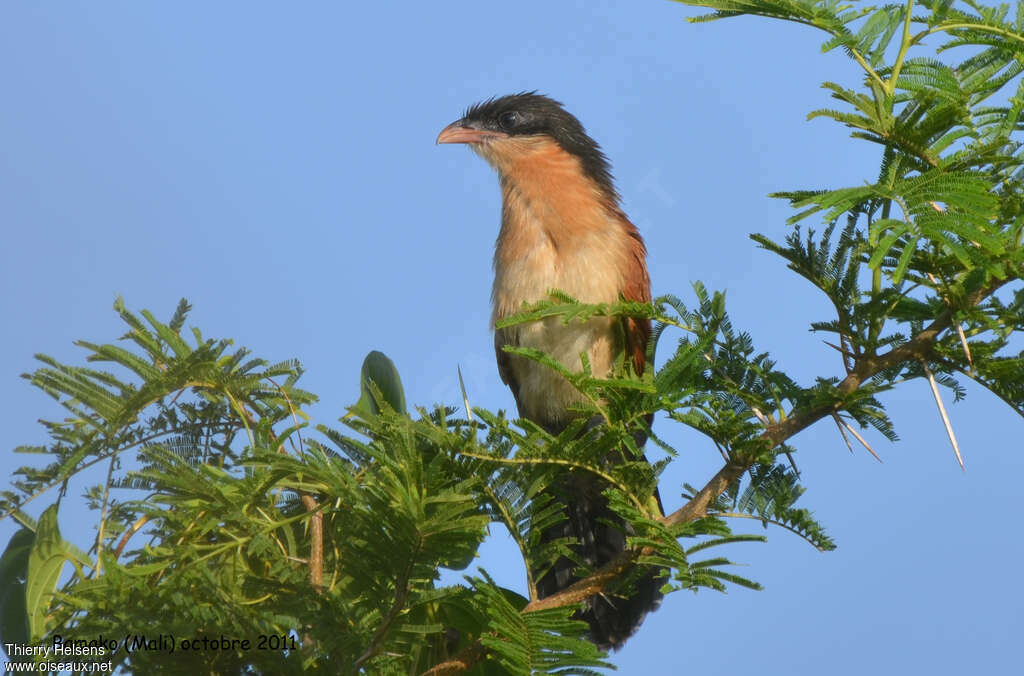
558,231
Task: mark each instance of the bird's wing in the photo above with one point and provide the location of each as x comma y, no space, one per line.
504,337
637,287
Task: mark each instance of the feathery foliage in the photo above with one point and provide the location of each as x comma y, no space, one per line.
224,512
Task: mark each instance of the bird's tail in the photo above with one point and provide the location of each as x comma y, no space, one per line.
600,535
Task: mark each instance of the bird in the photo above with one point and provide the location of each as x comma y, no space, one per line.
563,227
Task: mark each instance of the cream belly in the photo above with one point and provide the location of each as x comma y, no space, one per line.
584,273
543,395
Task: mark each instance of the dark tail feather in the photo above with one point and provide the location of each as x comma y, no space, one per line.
601,534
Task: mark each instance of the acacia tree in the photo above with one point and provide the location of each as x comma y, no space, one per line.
227,513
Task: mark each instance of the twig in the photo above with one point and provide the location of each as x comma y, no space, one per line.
774,522
401,595
103,513
460,663
143,520
316,519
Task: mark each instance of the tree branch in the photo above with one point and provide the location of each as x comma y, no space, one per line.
865,367
316,534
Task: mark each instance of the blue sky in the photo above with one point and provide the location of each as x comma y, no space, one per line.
276,166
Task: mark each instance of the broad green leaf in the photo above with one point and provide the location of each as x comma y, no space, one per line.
44,566
379,370
13,573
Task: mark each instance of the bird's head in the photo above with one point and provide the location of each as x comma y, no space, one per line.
516,129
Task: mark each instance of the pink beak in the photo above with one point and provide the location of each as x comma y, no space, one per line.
460,132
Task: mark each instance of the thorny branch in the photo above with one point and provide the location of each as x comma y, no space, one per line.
865,366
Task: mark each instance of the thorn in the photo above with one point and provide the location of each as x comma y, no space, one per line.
792,463
848,359
725,456
839,424
847,355
465,399
760,416
859,437
942,412
960,332
967,348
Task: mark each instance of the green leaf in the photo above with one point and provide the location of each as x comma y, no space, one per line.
14,625
44,566
379,383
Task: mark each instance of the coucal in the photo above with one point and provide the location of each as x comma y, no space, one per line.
562,227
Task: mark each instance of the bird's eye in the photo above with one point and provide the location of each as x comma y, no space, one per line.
508,120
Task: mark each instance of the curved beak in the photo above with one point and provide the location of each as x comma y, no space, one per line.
466,132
